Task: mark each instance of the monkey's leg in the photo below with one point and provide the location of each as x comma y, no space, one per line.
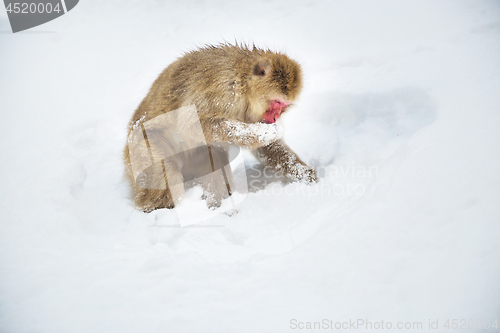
218,184
160,186
220,160
214,189
242,134
280,157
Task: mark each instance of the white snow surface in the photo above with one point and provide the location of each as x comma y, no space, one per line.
400,115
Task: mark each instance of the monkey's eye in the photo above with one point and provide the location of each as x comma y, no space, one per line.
262,68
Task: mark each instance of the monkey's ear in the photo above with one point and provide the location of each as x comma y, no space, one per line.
262,68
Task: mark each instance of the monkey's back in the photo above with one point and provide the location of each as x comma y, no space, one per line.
211,78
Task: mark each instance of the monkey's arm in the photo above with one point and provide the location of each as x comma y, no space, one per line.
280,157
245,135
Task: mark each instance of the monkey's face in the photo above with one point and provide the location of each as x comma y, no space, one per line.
275,82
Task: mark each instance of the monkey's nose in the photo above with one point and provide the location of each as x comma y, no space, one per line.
280,104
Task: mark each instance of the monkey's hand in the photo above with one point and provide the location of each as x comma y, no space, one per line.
281,158
245,135
301,172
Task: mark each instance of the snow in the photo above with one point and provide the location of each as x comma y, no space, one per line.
265,133
399,115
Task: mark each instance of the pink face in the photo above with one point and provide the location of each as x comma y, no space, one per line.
276,106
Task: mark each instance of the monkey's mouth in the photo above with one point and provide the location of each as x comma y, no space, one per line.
276,107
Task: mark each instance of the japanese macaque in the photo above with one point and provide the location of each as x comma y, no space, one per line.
238,93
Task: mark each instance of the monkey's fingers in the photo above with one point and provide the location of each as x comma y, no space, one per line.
302,173
310,177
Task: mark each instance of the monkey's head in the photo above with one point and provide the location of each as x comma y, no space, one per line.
274,83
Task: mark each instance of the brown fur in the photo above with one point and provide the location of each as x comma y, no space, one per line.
224,82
